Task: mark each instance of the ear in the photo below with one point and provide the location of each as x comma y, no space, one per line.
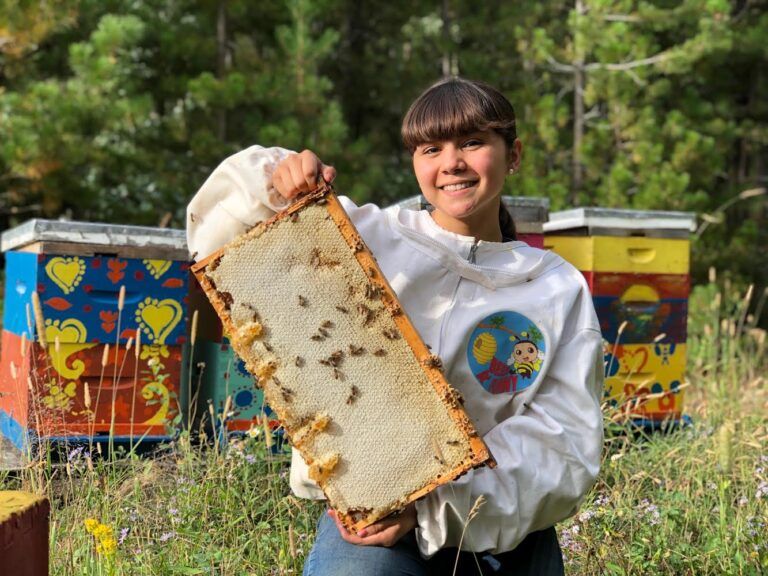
514,154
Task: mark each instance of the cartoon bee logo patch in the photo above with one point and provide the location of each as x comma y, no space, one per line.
505,352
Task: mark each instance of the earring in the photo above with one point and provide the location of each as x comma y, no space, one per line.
511,170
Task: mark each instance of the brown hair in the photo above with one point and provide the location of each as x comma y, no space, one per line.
454,107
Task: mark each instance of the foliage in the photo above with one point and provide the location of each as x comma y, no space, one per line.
118,110
689,501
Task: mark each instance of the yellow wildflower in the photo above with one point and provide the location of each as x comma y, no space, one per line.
90,524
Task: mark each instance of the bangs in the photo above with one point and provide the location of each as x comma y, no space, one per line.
454,108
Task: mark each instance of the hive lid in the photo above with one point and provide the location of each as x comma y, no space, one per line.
97,234
608,219
524,209
350,380
14,501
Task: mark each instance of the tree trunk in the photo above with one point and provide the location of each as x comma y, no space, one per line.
578,107
223,62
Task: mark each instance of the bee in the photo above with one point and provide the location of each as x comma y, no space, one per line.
215,264
453,442
267,347
342,309
372,292
302,301
194,254
324,332
327,324
380,352
354,393
192,217
336,358
316,338
338,374
367,313
356,350
395,309
299,362
433,361
358,246
391,334
371,271
295,217
322,201
227,299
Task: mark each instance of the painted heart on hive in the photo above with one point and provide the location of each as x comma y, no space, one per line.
157,267
158,318
66,273
70,330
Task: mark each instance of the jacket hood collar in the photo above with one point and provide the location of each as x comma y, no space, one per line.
496,263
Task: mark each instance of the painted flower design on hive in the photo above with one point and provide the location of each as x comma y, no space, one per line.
157,267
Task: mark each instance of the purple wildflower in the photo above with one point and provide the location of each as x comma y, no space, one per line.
123,535
165,536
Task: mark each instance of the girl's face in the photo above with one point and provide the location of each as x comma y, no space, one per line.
462,178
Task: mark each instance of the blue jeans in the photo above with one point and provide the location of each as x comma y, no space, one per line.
537,555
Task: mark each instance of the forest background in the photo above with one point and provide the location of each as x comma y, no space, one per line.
117,110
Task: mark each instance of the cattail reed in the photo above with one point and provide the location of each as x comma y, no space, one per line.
138,343
660,337
14,374
105,356
291,541
39,321
268,442
129,344
87,396
227,407
24,345
725,447
193,333
121,299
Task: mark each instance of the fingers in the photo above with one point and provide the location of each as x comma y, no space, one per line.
299,173
329,173
383,533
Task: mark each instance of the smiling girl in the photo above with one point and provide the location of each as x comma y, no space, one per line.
467,285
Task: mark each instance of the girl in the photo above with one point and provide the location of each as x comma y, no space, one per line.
466,285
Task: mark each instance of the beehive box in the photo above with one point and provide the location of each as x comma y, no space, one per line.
78,269
222,376
529,214
637,266
23,534
353,385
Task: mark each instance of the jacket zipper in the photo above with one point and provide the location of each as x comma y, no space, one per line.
472,253
471,258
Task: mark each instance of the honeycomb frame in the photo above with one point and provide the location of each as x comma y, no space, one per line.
442,462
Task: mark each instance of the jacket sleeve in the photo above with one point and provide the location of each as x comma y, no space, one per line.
237,195
548,457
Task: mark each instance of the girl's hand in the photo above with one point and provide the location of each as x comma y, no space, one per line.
385,532
299,173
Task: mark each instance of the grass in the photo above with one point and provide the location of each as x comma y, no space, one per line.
694,501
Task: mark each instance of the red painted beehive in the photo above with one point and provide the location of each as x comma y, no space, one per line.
67,384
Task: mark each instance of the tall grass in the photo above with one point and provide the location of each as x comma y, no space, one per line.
693,501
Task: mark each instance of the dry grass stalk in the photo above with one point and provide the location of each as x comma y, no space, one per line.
39,320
